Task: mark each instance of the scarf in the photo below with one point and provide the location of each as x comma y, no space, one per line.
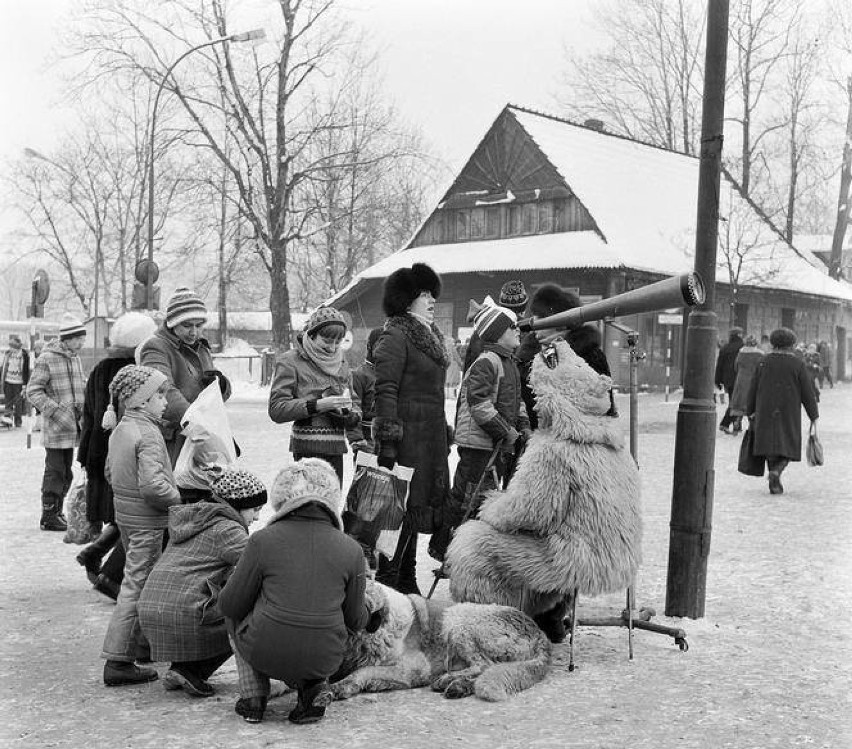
328,363
429,340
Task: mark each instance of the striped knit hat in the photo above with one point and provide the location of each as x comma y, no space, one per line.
184,305
492,321
240,489
70,327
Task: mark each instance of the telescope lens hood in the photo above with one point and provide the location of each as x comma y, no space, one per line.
693,289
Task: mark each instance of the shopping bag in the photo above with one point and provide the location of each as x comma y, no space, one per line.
813,452
379,495
209,439
749,463
80,529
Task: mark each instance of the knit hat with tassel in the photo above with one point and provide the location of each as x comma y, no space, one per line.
132,385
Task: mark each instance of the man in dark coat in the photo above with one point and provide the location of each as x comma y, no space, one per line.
297,588
726,376
410,425
550,299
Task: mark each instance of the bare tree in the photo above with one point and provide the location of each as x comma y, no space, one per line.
647,84
844,197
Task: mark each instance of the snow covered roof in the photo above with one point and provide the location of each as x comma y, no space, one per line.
643,199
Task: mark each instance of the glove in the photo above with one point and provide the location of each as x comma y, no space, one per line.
526,435
386,461
507,444
211,375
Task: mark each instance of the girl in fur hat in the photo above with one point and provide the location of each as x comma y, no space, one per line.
410,427
312,388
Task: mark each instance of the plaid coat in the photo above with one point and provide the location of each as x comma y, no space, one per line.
57,388
178,609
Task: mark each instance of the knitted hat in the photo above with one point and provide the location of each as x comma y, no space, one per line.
323,317
14,338
133,385
306,480
184,305
550,299
492,321
240,489
514,296
131,329
403,286
70,327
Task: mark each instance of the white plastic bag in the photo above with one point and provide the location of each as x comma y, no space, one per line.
209,439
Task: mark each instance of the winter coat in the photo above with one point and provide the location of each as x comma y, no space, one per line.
781,386
490,402
824,355
25,366
178,609
296,589
410,425
585,340
364,388
570,518
726,373
184,366
140,471
745,365
94,439
56,388
297,383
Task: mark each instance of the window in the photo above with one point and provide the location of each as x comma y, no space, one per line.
477,223
528,218
788,318
545,217
515,219
492,222
462,224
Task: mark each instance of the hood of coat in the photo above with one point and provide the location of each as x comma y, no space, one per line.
313,507
187,521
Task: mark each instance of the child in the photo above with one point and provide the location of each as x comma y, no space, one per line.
312,387
178,609
140,472
296,590
490,413
360,435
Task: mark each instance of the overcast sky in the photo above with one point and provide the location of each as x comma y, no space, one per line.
450,65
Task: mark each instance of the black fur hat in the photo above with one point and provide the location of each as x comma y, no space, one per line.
403,286
550,299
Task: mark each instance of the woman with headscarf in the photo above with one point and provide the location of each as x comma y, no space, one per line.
312,387
410,425
780,388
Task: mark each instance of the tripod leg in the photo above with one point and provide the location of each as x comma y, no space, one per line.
439,575
573,629
630,622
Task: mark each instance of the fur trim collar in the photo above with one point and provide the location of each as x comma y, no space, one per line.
429,342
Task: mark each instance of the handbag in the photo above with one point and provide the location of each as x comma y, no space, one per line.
80,529
813,452
749,463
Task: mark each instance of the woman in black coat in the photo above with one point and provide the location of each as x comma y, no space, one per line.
410,425
780,388
129,331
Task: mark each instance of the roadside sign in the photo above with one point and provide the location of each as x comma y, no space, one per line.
665,318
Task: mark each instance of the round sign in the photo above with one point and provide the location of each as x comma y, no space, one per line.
41,283
142,269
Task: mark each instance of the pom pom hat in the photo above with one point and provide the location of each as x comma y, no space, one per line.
133,385
307,480
184,305
403,286
492,321
513,295
240,489
70,327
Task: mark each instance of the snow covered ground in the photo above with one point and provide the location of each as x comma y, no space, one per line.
770,665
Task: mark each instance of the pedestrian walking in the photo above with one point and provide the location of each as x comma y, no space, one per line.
181,352
14,376
140,472
780,389
128,332
726,374
56,388
410,425
813,367
748,357
178,609
825,363
312,387
298,587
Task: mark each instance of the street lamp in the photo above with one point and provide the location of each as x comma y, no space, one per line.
31,153
245,36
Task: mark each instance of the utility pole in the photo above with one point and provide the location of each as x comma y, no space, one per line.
695,439
835,264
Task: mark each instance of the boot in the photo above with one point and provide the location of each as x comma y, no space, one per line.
121,673
51,514
314,697
91,556
251,708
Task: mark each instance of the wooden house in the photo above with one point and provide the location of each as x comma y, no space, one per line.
543,199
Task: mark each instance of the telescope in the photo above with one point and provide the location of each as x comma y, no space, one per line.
685,290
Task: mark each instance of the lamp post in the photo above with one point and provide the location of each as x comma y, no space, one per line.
31,153
245,36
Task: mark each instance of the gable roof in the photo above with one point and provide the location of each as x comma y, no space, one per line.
643,201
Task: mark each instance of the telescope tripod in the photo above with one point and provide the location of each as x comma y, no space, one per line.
628,618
